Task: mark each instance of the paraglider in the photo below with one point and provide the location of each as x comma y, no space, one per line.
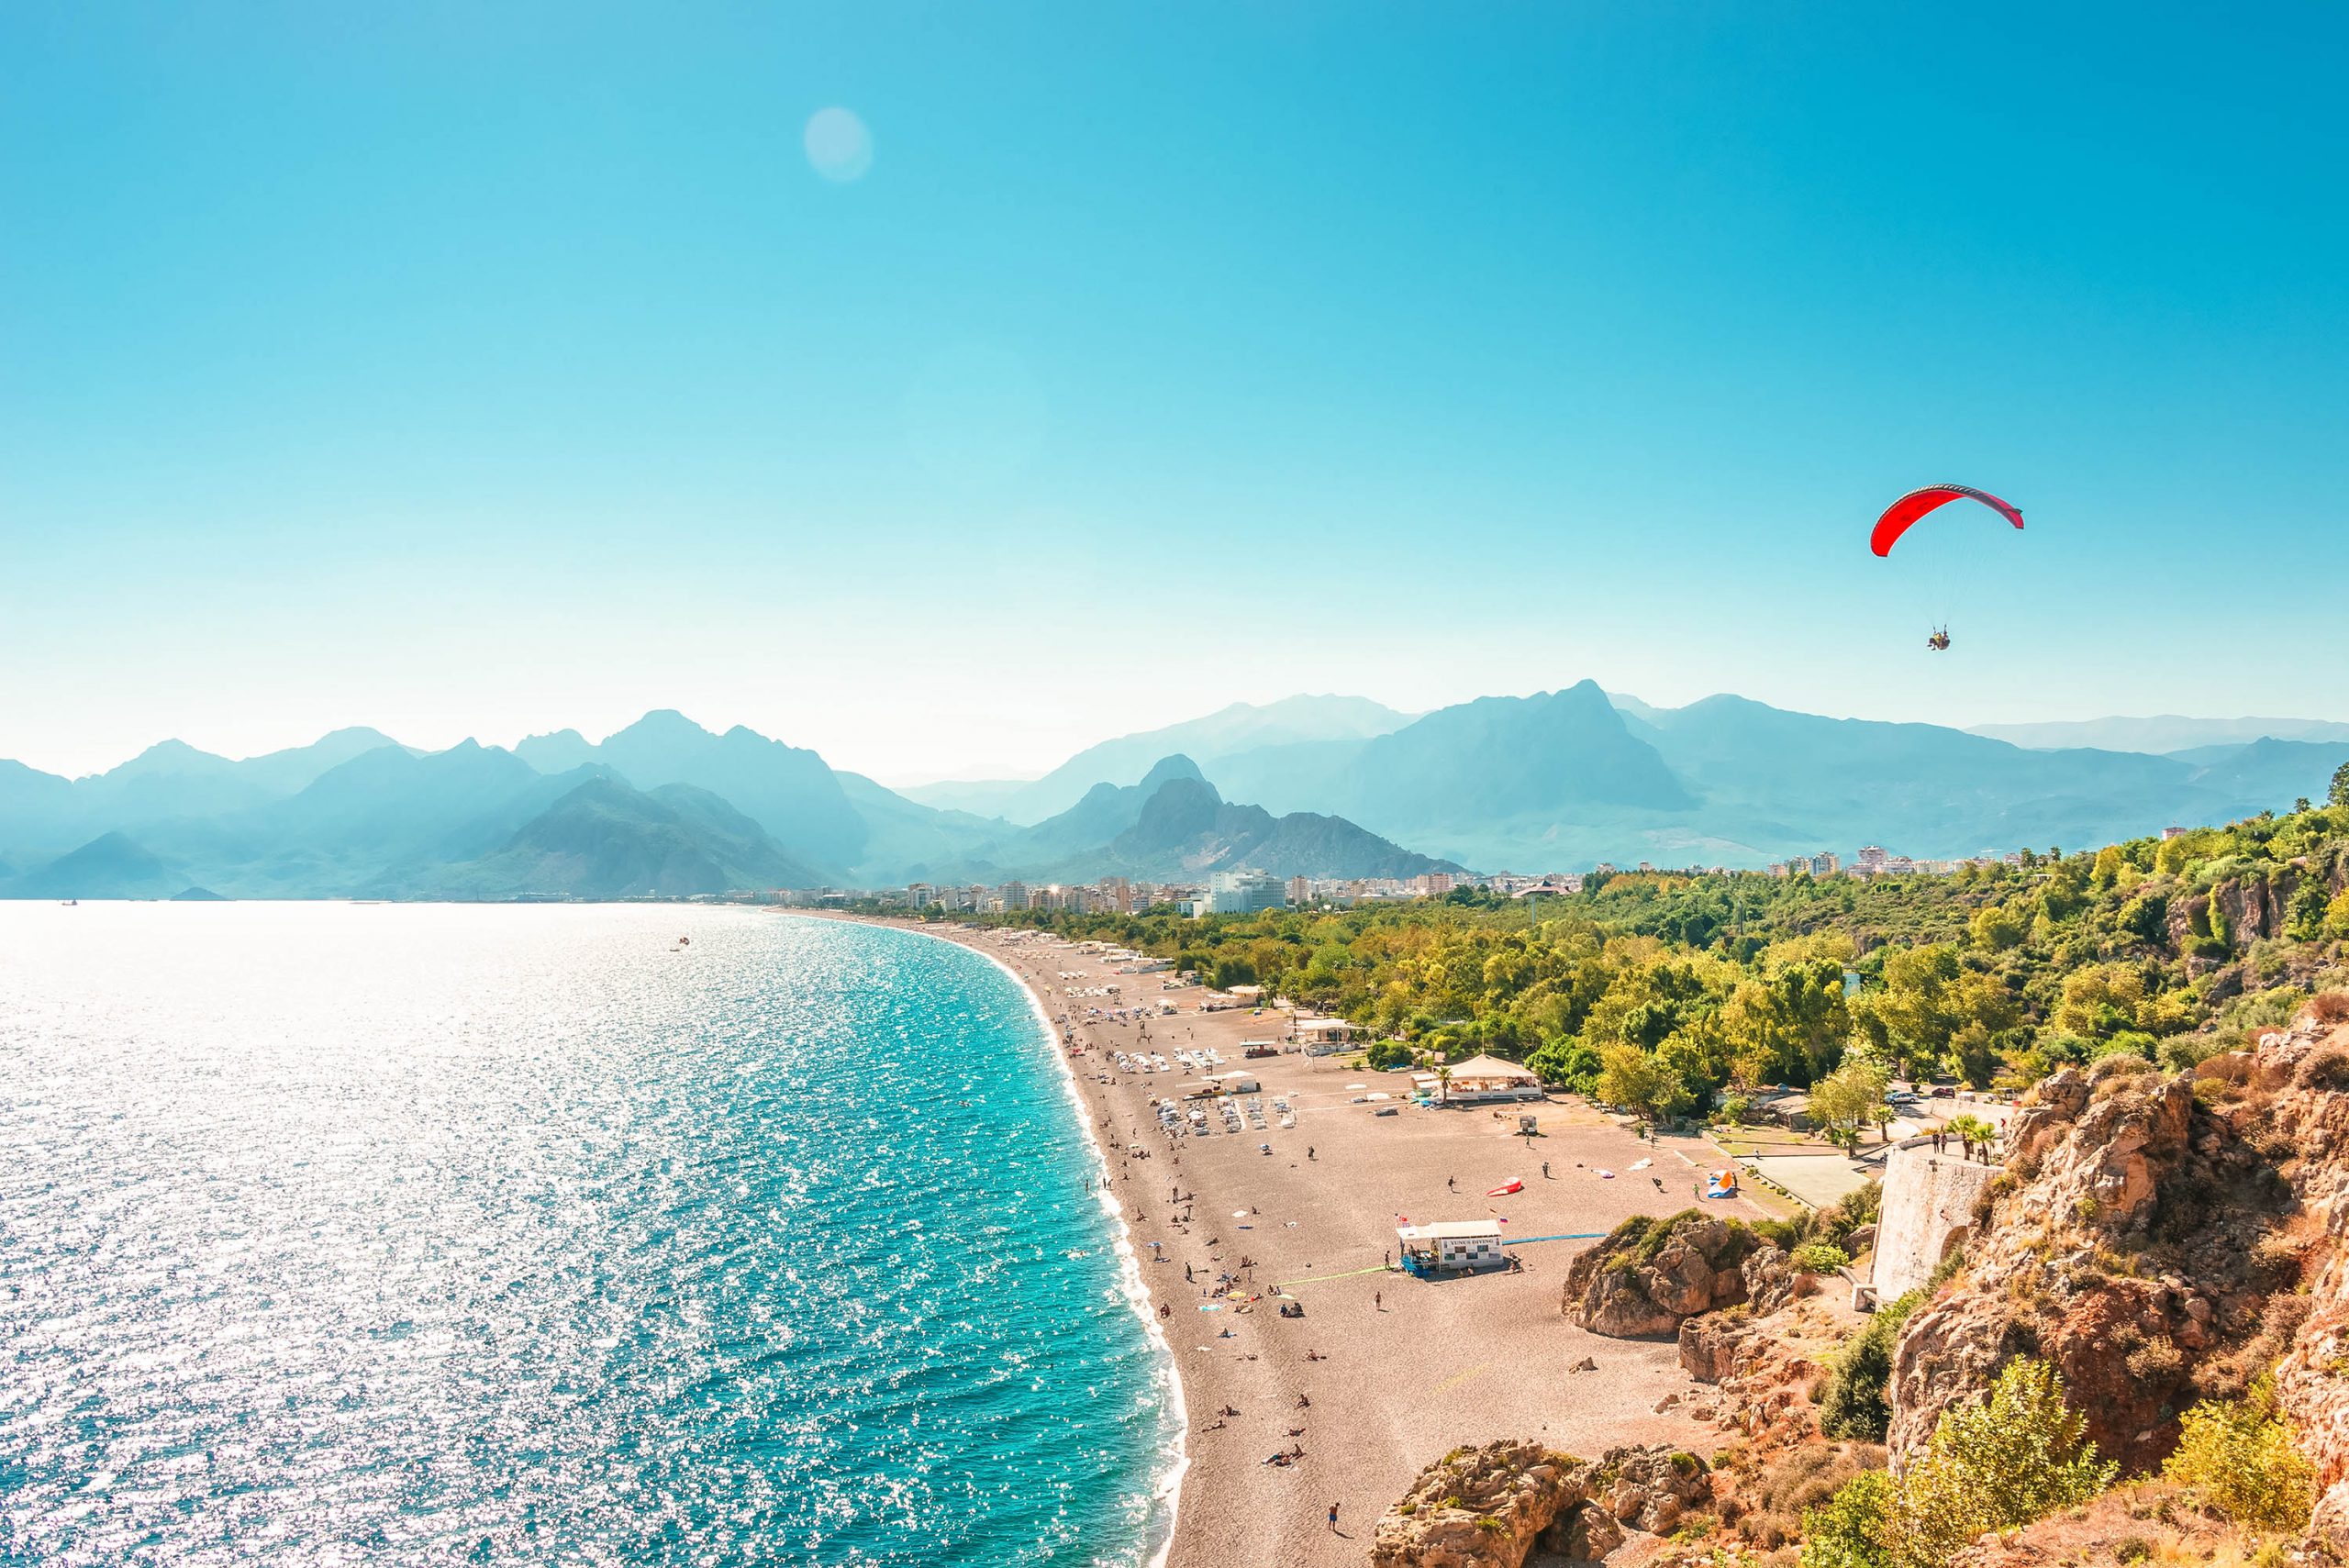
1903,514
1898,516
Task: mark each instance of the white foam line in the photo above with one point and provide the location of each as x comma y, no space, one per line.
1167,1495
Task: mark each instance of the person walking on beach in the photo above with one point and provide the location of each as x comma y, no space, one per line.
1545,1170
1333,1519
1378,1301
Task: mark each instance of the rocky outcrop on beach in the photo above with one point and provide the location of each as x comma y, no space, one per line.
1501,1505
2152,1236
1650,1274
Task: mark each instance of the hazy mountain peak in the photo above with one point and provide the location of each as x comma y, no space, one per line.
172,756
1176,766
366,736
558,752
663,724
1231,729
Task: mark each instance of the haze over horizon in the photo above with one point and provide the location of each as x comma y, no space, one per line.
1035,767
462,373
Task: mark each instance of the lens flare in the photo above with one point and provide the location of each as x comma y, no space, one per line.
838,146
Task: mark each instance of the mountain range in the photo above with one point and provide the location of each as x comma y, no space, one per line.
664,808
1212,740
1563,779
1339,786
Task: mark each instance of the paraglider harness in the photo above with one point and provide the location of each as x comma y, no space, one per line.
1939,641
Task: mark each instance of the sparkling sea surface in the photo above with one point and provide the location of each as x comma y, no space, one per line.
402,1233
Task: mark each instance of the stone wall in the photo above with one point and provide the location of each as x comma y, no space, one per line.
1928,1199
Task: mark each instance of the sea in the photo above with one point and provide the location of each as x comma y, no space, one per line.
349,1233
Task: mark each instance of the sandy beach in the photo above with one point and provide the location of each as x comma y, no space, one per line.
1383,1373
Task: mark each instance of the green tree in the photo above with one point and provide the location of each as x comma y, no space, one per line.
2309,901
1566,1060
2239,1457
2100,1002
1857,1402
1789,1025
1994,929
2339,794
1630,1077
2017,1457
1975,1052
1929,995
1846,1099
1971,1132
1847,1530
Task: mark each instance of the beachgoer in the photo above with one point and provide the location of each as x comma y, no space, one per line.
1378,1300
1545,1170
1451,1185
1333,1519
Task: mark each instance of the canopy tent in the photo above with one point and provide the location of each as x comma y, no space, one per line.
1491,1076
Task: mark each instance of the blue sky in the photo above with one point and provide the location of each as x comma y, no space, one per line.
469,370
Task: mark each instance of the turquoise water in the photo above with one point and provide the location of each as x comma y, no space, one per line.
450,1234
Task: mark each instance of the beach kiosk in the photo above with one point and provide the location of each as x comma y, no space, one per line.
1450,1247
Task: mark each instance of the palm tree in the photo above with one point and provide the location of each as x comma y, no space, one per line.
1443,1083
1969,1130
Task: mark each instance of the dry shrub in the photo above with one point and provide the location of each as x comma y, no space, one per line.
2327,1069
1799,1478
2329,1007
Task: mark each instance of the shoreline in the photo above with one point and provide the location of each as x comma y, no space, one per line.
1166,1487
1386,1373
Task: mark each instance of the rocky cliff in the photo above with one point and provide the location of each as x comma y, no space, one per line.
1650,1274
2162,1240
1498,1506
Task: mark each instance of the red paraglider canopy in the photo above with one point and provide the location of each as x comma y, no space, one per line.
1917,503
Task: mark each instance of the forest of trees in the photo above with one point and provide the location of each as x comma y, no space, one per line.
1668,992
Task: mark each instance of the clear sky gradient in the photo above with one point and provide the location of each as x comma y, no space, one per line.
473,370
